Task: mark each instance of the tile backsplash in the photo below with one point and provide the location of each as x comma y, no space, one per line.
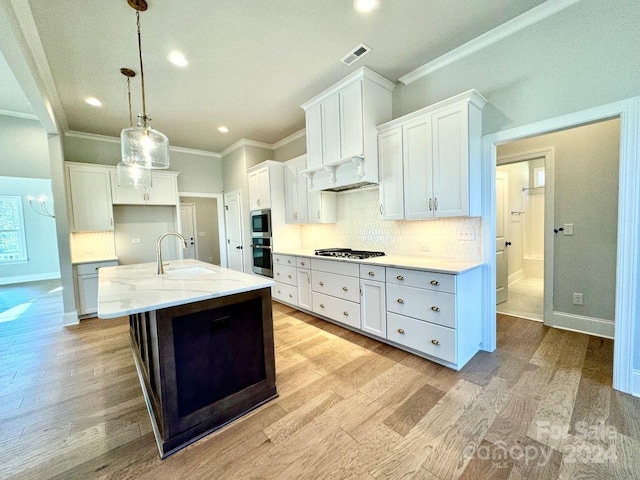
359,226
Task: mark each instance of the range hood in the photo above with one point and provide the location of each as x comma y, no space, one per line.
345,174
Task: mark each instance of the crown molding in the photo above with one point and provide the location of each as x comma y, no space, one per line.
528,18
290,138
245,142
106,138
11,113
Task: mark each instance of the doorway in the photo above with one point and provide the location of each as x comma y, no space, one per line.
202,224
235,234
189,228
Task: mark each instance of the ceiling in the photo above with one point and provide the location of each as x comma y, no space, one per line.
251,63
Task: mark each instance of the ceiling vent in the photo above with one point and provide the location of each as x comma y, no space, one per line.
351,57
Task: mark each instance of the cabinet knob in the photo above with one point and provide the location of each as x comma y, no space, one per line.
400,300
302,263
345,313
435,282
288,261
400,277
435,309
278,274
401,331
277,260
345,289
435,342
289,276
321,284
290,296
371,274
279,291
322,305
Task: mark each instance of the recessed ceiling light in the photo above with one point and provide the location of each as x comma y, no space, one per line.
178,59
93,101
365,5
223,129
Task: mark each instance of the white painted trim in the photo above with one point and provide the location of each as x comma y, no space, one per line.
11,113
289,139
109,139
36,277
222,233
70,318
526,19
514,277
579,323
244,142
635,389
628,255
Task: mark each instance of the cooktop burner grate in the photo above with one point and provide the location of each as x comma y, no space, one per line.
347,253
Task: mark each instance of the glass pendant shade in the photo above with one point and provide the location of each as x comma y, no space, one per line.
145,147
133,176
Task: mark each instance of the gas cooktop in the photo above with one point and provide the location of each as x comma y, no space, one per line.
347,253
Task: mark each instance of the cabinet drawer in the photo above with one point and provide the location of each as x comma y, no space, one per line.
372,272
303,262
435,307
284,260
442,282
285,274
285,293
337,309
334,266
92,268
341,286
422,336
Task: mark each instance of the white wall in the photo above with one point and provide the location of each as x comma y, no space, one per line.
24,149
42,248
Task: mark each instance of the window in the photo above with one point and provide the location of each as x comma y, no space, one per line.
538,177
13,247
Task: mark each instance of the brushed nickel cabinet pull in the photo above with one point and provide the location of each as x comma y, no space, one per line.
435,342
290,296
345,313
401,331
430,207
435,203
371,274
278,274
435,282
400,277
322,305
288,261
345,289
435,309
321,284
380,209
289,276
400,300
279,291
302,263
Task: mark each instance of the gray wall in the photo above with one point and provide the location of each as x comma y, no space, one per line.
24,148
291,150
207,223
585,194
198,173
584,56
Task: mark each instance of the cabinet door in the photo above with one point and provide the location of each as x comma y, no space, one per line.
322,207
164,189
126,195
331,129
301,192
290,192
391,180
304,289
90,193
417,162
451,161
88,293
314,136
254,191
264,200
373,314
351,128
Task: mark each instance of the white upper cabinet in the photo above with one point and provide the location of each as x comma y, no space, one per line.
302,206
441,159
163,190
89,196
391,180
259,192
341,130
322,207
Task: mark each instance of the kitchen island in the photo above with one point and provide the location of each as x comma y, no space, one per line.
202,341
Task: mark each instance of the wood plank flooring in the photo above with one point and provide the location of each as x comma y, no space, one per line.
541,406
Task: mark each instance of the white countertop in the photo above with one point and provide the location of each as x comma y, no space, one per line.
401,261
79,261
128,289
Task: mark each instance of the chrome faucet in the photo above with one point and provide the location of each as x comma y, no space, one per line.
159,265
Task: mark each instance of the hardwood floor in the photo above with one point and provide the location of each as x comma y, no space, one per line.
540,406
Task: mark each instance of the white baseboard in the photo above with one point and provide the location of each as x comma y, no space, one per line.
514,277
70,318
29,278
579,323
635,384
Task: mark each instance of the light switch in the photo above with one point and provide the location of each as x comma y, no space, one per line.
568,229
135,240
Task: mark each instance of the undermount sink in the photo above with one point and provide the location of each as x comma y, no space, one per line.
188,272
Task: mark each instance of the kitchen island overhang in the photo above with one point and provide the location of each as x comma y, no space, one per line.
202,341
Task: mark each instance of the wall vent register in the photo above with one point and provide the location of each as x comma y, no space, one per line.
347,253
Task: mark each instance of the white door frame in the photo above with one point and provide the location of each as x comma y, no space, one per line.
195,226
222,234
627,309
237,192
549,218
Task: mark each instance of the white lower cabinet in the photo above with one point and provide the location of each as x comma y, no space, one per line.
304,289
422,336
86,282
337,309
286,293
372,307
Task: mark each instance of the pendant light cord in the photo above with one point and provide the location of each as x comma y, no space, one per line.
129,95
144,107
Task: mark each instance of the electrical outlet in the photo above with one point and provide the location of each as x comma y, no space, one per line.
568,229
135,240
466,234
202,234
578,299
424,248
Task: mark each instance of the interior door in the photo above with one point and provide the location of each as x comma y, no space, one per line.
502,222
188,228
233,224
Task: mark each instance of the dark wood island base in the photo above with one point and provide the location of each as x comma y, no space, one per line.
204,364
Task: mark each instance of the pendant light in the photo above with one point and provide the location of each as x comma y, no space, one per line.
142,145
132,176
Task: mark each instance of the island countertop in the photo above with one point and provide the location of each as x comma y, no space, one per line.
128,289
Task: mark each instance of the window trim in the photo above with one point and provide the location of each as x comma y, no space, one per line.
22,232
